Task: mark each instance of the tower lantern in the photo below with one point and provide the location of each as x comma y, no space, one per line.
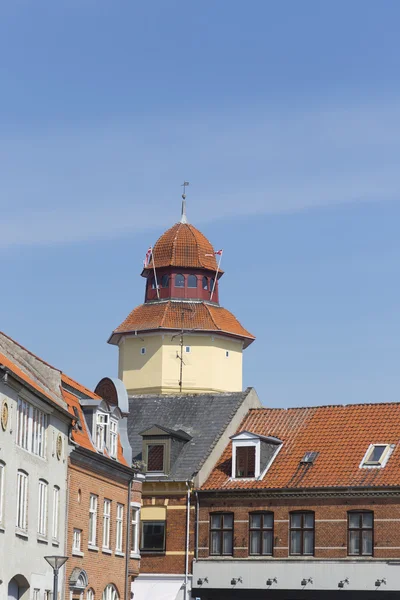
180,339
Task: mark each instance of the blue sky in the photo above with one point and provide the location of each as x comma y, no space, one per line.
284,117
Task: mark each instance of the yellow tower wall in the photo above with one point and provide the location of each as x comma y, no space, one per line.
206,367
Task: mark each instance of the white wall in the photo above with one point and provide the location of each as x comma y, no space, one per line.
25,555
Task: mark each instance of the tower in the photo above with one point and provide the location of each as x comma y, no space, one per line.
180,339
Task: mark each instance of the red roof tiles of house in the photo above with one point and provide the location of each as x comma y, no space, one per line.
340,434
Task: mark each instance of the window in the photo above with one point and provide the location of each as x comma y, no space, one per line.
36,593
101,430
226,353
56,512
93,520
377,455
302,533
179,281
205,283
90,594
221,532
212,282
143,350
153,536
76,540
245,461
155,458
42,509
119,524
31,428
192,281
22,501
135,511
48,595
165,281
110,593
261,533
360,533
2,484
187,349
106,523
113,437
153,284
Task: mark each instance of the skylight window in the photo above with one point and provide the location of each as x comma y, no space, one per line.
309,458
377,455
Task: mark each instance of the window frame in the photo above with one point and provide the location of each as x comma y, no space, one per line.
301,529
106,524
192,278
204,281
119,527
247,461
366,464
2,489
55,526
31,428
110,592
76,537
221,531
90,594
43,502
93,510
360,530
102,425
22,505
261,531
135,529
165,281
152,550
176,278
155,443
113,435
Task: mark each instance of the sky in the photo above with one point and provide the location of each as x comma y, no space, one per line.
284,117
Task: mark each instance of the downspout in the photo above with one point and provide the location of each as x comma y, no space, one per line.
128,540
189,483
196,551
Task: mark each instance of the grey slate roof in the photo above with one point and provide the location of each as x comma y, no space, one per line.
203,416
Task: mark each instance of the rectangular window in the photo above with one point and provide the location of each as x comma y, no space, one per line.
302,534
221,532
2,485
113,438
101,431
42,508
377,455
22,501
119,525
31,428
360,533
56,512
135,512
245,461
36,593
106,523
93,520
76,541
153,536
261,533
155,458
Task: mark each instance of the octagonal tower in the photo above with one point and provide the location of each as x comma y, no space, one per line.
180,339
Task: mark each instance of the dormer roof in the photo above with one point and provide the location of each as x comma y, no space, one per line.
156,430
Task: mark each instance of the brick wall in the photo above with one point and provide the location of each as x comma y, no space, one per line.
102,568
330,523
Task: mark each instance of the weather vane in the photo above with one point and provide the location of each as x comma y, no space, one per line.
184,185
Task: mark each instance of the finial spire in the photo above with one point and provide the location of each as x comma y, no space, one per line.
183,213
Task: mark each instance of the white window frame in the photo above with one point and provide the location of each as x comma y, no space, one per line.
106,523
90,594
93,504
188,349
22,501
77,541
119,528
36,594
246,440
56,513
113,438
2,486
135,528
143,350
383,460
42,508
31,428
102,423
110,593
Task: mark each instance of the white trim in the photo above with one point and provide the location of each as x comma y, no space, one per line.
271,461
246,442
385,456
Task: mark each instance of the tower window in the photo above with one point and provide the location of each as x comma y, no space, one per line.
179,281
212,280
192,281
143,350
165,281
205,283
153,283
227,353
187,349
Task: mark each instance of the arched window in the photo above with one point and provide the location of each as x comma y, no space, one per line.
165,281
192,281
110,592
211,284
90,594
179,281
205,283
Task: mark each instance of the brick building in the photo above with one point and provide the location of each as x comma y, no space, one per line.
104,495
303,503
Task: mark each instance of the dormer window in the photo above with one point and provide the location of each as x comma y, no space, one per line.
252,454
106,433
179,281
113,438
161,448
377,455
101,430
192,281
155,458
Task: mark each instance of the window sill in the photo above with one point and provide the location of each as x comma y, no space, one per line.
22,534
117,553
135,555
2,529
106,551
93,548
77,553
42,540
55,543
158,552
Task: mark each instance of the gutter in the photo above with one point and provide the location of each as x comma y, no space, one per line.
189,484
196,549
128,539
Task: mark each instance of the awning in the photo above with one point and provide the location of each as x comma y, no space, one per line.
155,590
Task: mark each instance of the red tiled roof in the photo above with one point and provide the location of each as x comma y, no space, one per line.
340,434
81,388
183,246
178,315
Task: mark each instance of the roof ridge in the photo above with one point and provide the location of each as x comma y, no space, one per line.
30,352
311,407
